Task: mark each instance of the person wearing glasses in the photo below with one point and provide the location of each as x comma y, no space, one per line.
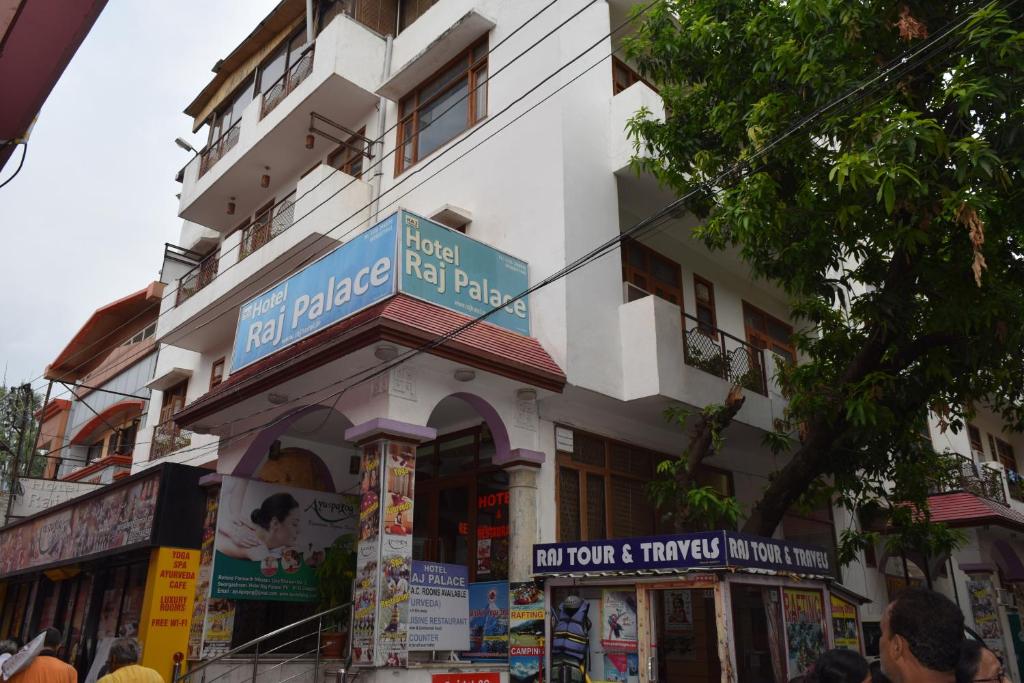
978,664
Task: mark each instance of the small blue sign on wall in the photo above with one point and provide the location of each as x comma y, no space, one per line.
403,253
354,276
447,268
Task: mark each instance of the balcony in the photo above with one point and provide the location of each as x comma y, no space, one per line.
168,438
336,78
985,482
197,278
674,356
625,105
329,207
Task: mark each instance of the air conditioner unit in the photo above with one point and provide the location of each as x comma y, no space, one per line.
1006,598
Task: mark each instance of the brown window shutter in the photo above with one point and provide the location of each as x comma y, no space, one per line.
379,15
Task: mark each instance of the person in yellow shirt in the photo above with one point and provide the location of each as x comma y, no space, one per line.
123,664
46,667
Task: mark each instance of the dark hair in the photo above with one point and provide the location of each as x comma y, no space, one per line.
53,638
124,651
970,658
839,666
276,507
932,626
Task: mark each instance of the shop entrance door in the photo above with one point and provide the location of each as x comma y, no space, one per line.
683,640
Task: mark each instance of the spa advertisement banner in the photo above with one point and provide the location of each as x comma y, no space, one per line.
271,538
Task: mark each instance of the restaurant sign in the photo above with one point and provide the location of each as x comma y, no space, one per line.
38,495
701,550
403,253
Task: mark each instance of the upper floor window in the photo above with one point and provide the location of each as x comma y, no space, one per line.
411,10
217,372
446,104
285,69
767,332
348,157
141,335
974,436
651,272
230,113
1004,453
704,293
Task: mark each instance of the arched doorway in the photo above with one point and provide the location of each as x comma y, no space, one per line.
461,511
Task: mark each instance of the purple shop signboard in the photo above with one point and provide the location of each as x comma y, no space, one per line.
701,550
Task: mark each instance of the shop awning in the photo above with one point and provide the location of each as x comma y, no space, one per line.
403,320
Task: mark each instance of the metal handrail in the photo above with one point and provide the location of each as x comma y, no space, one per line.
219,147
705,348
266,636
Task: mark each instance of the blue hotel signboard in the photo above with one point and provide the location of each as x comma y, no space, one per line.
403,253
701,550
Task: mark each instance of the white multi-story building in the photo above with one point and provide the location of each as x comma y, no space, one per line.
543,424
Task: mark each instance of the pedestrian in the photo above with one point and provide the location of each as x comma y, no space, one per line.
978,663
123,664
7,648
921,635
47,666
840,666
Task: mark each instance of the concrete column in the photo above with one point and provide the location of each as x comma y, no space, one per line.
522,467
384,564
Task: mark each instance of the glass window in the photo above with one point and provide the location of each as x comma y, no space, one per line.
273,70
442,107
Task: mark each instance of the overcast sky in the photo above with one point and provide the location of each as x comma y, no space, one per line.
85,221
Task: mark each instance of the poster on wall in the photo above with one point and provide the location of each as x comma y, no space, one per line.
985,609
678,611
622,666
270,539
439,607
619,628
805,628
364,600
844,623
526,632
488,621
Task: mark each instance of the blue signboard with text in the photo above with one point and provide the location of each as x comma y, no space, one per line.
700,550
404,252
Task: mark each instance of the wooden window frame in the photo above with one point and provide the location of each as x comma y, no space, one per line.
214,378
632,76
1002,457
630,272
713,331
976,445
564,460
410,106
348,151
764,336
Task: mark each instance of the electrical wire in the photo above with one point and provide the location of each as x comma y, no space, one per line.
653,221
24,153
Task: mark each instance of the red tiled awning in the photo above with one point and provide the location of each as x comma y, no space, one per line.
403,320
966,509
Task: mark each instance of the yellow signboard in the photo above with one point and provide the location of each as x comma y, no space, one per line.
167,607
844,624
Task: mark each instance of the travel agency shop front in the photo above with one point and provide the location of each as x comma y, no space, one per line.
117,561
693,608
342,389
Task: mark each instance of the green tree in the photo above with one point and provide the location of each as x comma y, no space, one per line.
892,221
14,404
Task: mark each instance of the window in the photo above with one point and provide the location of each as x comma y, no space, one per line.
974,436
651,272
95,451
217,372
602,489
1004,452
411,10
285,69
768,333
623,76
141,335
461,511
126,438
704,293
174,400
348,158
442,107
230,113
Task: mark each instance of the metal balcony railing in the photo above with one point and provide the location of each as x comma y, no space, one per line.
167,438
268,225
984,482
721,354
280,88
201,275
219,147
1015,484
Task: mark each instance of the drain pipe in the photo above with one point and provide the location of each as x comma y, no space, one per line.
382,111
309,22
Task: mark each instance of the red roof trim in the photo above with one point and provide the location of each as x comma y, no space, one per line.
55,406
97,465
962,509
403,320
119,408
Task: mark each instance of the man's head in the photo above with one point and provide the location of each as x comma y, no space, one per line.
53,639
123,652
921,635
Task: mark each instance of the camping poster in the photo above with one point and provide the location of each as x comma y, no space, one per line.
805,628
618,614
844,624
526,632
